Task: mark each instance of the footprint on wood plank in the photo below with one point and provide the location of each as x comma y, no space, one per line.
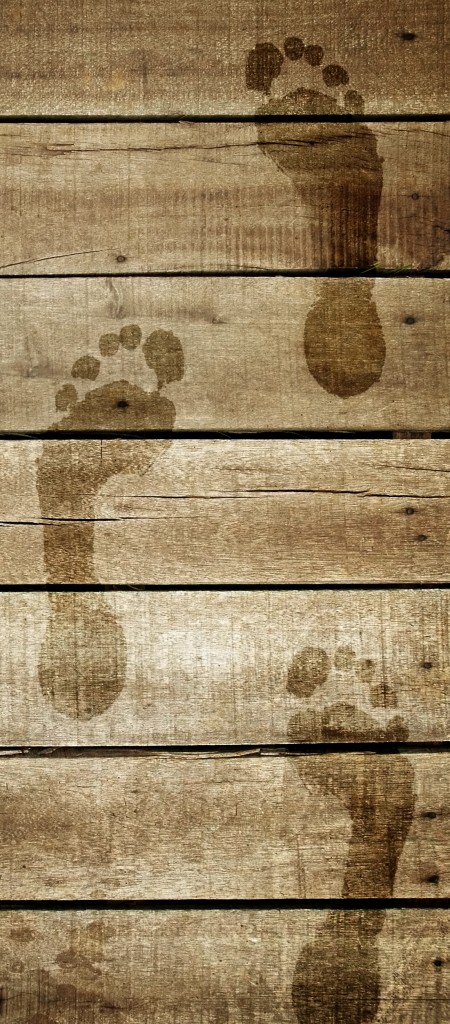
83,656
337,975
336,170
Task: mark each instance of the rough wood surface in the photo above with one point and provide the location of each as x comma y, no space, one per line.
156,512
214,668
132,967
130,57
198,826
259,354
114,198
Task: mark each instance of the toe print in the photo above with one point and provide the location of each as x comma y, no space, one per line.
83,657
119,405
315,676
336,170
380,804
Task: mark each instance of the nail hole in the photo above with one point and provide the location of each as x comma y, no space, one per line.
408,36
121,259
415,195
409,511
433,879
437,962
421,537
409,320
427,664
429,814
122,404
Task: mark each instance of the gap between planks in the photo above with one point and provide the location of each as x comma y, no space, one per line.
281,903
225,751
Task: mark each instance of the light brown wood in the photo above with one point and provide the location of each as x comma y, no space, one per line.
156,512
253,359
218,966
115,198
133,58
213,668
198,826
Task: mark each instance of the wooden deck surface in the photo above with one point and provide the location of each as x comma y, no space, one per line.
145,198
107,58
259,354
219,668
224,512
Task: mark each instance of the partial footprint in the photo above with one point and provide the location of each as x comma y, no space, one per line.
335,168
83,657
379,797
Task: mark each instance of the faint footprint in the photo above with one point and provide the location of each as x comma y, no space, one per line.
83,656
336,169
337,976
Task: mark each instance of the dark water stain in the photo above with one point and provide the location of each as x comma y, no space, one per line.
307,671
337,975
337,979
83,658
164,354
337,173
82,663
263,65
343,339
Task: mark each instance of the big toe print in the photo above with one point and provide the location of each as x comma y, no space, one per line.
337,172
83,657
378,794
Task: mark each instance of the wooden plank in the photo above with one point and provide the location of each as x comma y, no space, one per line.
197,826
254,358
219,966
129,58
156,512
115,198
212,668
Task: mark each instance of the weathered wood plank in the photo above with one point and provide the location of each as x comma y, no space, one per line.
213,668
105,198
133,58
156,512
259,354
218,966
199,826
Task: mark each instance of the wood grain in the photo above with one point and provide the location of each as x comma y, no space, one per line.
129,58
198,826
156,512
225,668
115,198
212,965
246,343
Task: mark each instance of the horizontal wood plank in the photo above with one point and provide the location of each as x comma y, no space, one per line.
224,668
156,512
127,57
218,966
198,826
259,354
119,198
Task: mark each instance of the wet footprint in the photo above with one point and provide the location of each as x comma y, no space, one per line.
83,656
380,801
336,169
